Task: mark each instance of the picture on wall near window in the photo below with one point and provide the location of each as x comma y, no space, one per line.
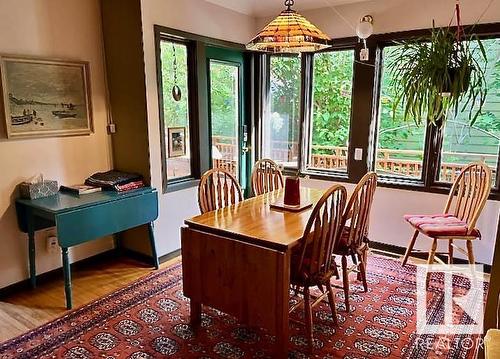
45,98
176,141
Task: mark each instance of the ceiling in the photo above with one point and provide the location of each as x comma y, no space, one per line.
264,8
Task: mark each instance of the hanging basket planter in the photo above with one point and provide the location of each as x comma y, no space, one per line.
438,76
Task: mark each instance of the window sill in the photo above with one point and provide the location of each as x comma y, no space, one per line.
180,185
394,183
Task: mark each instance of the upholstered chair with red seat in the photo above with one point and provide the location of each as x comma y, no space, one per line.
465,203
353,241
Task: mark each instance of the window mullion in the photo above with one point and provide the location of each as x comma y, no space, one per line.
306,109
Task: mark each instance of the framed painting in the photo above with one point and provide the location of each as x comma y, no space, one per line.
176,141
43,98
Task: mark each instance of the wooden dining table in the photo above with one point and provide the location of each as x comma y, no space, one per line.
237,260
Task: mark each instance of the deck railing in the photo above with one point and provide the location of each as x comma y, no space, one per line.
406,163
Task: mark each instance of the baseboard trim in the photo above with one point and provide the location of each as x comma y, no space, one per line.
56,273
400,251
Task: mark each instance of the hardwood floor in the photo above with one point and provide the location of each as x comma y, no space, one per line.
28,309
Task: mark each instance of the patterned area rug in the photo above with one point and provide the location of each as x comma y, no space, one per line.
149,319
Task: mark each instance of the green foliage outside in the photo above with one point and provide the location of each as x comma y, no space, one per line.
332,104
175,112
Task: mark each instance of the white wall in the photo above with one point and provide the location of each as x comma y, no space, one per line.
397,15
55,29
201,18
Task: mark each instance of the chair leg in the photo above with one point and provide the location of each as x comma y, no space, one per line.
430,259
470,252
410,248
450,251
432,253
309,320
331,301
345,280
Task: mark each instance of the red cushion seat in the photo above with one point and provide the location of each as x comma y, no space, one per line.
437,225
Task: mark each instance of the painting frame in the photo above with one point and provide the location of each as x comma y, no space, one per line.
87,119
173,134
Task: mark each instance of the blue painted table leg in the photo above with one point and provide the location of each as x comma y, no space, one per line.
31,250
32,258
156,263
67,278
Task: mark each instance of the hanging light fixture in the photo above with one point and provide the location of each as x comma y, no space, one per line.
290,32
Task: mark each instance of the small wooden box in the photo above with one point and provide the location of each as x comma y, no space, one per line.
38,190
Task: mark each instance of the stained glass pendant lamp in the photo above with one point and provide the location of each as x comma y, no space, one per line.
290,32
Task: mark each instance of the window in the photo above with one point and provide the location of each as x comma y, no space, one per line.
462,143
331,110
225,115
400,145
176,114
281,125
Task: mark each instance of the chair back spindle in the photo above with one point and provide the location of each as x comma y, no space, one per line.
218,189
320,234
469,193
266,177
357,214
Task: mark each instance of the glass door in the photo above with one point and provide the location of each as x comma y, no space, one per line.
228,129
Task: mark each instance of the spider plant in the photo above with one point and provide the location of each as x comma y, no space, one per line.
432,78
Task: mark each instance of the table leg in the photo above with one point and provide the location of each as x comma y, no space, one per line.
195,312
67,278
31,251
151,232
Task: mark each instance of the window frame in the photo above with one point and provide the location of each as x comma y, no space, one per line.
434,134
171,184
197,102
365,109
308,121
265,104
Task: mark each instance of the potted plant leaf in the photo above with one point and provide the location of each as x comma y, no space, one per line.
436,76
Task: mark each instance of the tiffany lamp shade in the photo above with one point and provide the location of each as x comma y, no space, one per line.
290,32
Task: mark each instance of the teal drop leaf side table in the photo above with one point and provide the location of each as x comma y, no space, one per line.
80,219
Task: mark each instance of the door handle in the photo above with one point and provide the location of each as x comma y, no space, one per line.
246,149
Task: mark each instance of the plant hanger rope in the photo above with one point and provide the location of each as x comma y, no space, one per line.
176,90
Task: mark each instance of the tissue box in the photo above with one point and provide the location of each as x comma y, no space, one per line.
38,190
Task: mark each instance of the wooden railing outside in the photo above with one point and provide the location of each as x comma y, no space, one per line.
406,163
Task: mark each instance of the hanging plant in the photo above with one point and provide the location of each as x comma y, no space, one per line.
438,76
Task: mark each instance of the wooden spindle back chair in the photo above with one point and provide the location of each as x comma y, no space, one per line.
469,193
266,177
467,198
353,239
313,264
357,215
218,189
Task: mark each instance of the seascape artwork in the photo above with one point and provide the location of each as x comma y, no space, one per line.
45,98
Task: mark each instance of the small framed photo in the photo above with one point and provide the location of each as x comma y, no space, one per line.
45,97
176,141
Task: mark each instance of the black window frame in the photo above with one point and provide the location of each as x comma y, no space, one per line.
308,117
434,134
197,102
172,184
364,124
264,72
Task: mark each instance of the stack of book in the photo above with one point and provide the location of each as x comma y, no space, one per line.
116,181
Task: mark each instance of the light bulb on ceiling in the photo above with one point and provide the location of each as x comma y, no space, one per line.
364,30
365,27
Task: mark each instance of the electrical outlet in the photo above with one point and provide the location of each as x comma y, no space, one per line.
111,128
52,244
358,154
364,55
